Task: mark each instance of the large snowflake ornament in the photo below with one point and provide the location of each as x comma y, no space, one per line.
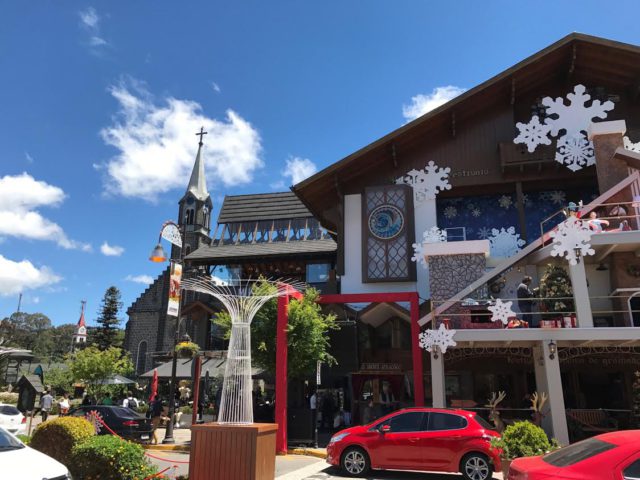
428,182
505,242
573,148
558,197
533,133
484,233
571,236
575,152
501,311
433,235
629,145
441,338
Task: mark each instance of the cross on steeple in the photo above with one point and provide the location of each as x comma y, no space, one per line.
201,133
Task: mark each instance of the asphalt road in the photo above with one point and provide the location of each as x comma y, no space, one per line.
331,473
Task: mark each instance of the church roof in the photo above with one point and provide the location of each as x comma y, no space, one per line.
262,206
81,321
198,183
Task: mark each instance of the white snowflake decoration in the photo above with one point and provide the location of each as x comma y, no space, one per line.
95,418
533,133
629,145
427,183
573,119
441,338
501,311
484,233
505,201
451,212
570,236
476,212
433,235
558,197
505,242
575,152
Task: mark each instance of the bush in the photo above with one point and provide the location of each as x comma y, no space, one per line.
57,438
522,439
24,438
107,457
9,397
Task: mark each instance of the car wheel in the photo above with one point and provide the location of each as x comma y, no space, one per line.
476,466
355,461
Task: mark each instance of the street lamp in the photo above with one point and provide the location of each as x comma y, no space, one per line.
171,232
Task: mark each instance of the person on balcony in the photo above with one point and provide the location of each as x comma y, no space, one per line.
525,304
597,224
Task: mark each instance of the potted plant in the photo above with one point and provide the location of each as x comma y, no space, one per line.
187,349
522,439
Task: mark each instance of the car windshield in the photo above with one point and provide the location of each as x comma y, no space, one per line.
8,441
577,452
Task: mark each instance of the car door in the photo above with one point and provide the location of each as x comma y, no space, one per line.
443,440
399,448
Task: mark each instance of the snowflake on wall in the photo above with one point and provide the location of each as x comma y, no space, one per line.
533,133
501,311
558,197
571,236
426,183
575,152
450,212
573,120
476,212
484,233
505,201
526,199
505,242
433,235
441,338
629,145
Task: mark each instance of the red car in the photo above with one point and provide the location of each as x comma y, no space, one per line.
610,456
426,439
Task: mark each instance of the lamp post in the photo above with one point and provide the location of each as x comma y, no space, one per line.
171,232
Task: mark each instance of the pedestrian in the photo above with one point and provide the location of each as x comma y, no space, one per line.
46,402
313,405
107,400
155,410
130,402
63,405
524,303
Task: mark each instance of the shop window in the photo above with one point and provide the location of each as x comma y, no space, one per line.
367,390
384,335
318,272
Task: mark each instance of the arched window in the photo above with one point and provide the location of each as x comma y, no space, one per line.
141,357
187,249
189,216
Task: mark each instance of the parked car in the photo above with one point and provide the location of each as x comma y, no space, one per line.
123,421
426,439
12,419
19,462
614,455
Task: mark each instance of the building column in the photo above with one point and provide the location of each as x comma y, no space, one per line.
581,298
438,390
548,380
425,217
606,138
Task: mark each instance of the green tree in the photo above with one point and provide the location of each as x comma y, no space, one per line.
307,335
556,292
92,365
23,329
106,334
60,379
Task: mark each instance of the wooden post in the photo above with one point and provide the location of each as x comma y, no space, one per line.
30,422
196,390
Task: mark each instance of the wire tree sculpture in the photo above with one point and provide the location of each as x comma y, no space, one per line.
242,299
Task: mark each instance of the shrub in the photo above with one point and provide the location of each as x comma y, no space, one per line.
522,439
24,438
9,397
57,438
107,457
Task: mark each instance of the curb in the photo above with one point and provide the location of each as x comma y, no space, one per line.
309,452
168,448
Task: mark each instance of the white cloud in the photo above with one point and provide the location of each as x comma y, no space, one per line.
298,169
111,250
90,21
216,87
145,279
28,157
421,103
15,277
157,144
89,18
20,197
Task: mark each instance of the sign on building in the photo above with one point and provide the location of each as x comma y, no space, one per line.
174,289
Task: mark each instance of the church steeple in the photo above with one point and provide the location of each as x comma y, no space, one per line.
198,183
80,335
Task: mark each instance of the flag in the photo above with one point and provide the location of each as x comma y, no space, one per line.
154,385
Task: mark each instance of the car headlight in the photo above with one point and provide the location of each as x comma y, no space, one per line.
338,437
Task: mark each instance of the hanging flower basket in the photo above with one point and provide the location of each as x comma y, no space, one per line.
187,349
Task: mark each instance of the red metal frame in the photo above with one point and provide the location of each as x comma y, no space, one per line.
281,348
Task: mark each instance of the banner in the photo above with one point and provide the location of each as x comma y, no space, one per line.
174,289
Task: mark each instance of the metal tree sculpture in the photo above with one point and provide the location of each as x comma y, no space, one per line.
242,300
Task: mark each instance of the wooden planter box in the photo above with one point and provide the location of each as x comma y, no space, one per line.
233,452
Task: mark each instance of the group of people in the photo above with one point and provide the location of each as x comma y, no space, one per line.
127,401
47,401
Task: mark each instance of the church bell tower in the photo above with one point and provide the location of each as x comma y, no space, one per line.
80,335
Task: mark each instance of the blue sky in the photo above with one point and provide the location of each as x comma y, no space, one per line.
99,103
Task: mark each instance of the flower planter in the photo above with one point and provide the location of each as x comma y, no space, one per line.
506,463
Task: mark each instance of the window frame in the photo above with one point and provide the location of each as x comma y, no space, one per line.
466,422
421,428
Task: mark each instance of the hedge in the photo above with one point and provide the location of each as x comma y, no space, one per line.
57,438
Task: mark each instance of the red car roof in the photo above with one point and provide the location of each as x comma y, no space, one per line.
621,437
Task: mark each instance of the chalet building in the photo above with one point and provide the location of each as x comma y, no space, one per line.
433,227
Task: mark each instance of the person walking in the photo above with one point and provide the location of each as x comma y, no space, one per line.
130,402
46,402
63,404
524,303
155,410
313,406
